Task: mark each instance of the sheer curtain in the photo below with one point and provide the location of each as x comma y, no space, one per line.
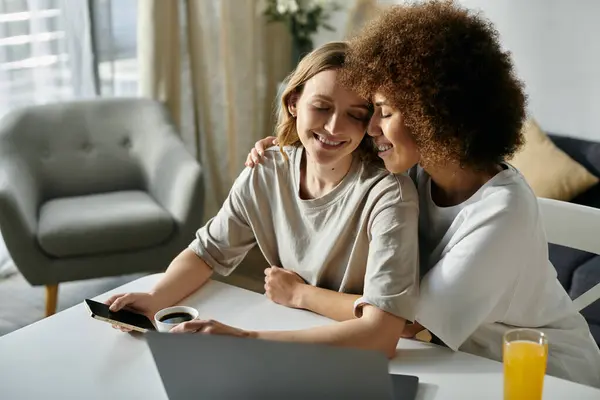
216,65
45,52
57,50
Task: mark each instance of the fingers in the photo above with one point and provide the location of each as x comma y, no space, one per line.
273,270
121,328
253,159
249,163
189,326
265,143
262,144
256,156
120,302
112,299
196,326
411,330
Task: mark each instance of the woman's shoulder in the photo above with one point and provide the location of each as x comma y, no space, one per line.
508,201
510,188
382,182
273,169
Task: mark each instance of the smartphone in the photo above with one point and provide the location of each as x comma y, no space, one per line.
124,318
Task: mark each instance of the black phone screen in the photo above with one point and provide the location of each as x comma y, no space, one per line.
127,317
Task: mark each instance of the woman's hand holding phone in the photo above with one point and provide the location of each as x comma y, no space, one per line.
142,303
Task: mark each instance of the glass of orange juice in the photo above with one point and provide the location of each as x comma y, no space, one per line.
525,353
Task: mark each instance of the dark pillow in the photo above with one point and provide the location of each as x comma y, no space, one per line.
595,329
566,260
584,278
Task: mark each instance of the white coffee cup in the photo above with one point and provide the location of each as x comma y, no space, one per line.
168,324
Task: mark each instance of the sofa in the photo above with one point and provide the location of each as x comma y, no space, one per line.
579,271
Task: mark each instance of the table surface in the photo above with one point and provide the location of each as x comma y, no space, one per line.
71,355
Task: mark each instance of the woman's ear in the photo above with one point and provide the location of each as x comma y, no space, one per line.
292,104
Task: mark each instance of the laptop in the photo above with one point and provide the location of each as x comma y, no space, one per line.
224,367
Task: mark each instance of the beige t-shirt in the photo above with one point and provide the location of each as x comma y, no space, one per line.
360,238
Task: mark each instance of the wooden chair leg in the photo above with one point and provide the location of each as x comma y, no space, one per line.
51,299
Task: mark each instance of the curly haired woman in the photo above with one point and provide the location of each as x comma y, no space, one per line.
436,73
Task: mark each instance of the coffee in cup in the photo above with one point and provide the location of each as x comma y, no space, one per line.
168,318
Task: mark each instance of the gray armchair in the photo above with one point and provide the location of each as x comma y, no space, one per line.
95,188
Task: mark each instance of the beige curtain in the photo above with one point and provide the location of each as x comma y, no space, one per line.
362,12
216,64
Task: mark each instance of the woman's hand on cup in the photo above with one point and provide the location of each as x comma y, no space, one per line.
256,154
141,303
209,327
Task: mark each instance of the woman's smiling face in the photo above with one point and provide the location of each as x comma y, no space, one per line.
330,120
393,140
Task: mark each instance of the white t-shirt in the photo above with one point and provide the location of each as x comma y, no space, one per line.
485,270
360,238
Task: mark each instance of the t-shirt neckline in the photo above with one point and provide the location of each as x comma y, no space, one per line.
508,169
335,194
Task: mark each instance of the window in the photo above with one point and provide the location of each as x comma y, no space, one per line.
56,50
115,34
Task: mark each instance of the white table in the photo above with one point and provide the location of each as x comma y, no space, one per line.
72,356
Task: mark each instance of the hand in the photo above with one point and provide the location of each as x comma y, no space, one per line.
256,154
416,331
282,286
141,303
209,327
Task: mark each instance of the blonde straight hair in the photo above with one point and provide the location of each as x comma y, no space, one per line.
330,56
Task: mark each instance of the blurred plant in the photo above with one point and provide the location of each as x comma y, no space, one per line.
303,19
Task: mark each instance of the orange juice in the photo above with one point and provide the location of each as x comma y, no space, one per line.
524,369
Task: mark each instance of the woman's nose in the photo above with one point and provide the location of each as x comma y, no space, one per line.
373,129
333,124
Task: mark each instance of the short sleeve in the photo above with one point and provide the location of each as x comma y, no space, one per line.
465,287
392,274
228,237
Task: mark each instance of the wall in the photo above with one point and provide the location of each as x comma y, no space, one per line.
556,49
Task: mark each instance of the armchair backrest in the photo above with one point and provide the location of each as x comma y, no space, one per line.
85,147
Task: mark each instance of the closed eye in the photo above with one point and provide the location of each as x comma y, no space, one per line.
361,118
321,108
383,114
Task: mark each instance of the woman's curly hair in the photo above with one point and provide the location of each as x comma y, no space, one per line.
443,68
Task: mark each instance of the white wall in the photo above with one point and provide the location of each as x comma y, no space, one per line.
556,49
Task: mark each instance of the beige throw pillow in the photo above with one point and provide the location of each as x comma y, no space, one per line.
550,172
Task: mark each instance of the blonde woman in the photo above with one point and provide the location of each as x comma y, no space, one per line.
321,213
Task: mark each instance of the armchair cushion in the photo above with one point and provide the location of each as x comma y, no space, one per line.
101,223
